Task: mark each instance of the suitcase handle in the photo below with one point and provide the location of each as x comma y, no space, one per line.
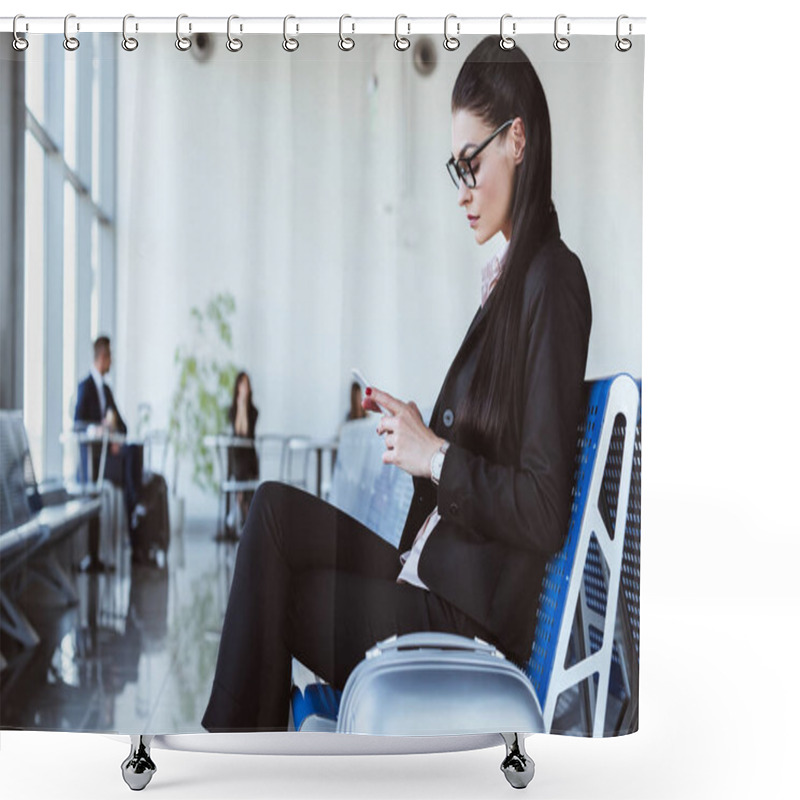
433,640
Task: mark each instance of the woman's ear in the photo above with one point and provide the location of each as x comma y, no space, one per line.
517,139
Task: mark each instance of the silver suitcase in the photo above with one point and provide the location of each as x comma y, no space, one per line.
434,684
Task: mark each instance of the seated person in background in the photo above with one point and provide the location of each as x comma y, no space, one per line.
357,411
95,406
95,403
242,461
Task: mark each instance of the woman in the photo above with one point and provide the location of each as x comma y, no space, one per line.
492,474
242,461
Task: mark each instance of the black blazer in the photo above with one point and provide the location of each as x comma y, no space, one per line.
501,521
243,462
87,407
252,418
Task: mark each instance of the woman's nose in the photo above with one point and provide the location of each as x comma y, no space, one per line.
463,192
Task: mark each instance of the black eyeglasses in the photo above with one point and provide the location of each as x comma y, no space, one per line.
460,169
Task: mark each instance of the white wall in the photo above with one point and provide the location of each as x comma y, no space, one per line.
312,186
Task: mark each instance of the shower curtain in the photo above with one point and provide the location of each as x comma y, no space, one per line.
289,213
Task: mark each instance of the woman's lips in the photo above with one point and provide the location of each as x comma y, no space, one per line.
472,220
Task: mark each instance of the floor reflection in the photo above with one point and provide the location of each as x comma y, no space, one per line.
135,654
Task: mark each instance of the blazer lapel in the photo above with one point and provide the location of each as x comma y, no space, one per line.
473,329
107,401
471,338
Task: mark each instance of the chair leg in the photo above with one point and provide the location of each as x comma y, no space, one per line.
518,766
14,623
221,505
138,768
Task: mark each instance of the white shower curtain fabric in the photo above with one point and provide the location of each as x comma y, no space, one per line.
290,216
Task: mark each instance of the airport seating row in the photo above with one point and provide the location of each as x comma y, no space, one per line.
33,523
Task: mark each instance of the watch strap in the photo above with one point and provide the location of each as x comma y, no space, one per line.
442,450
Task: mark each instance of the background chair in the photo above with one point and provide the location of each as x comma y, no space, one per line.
296,461
230,487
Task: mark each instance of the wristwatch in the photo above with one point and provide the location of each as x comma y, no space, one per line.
437,462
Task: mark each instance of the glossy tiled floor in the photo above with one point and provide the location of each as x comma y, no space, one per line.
135,654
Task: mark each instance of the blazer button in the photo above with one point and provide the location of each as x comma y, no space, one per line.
454,509
448,417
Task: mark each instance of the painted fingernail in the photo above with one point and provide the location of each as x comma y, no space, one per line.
369,391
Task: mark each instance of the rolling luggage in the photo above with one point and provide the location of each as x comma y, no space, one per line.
150,522
433,684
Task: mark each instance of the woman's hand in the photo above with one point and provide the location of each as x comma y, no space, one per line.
410,444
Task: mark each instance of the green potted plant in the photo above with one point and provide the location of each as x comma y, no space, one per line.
205,378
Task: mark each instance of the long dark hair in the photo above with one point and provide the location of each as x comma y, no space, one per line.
498,85
251,409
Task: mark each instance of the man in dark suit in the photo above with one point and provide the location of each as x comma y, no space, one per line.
95,405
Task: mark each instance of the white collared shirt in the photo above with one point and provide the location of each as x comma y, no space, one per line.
410,559
490,274
100,384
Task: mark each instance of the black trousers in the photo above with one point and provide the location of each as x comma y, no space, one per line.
310,582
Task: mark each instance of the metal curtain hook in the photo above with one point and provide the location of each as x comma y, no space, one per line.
451,42
345,42
233,44
70,42
623,45
561,43
128,42
289,44
400,42
507,42
18,43
181,42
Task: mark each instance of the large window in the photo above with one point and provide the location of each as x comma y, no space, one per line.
69,229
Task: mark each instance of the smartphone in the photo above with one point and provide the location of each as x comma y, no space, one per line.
362,382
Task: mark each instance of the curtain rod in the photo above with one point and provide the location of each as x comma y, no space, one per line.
407,26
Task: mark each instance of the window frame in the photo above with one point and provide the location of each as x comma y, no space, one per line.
90,292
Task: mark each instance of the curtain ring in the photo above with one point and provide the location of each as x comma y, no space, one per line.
561,43
181,42
18,43
507,42
128,42
400,42
71,43
623,45
345,42
451,42
233,44
289,44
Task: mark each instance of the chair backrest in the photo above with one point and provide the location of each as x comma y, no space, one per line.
17,478
376,494
295,461
576,642
271,449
